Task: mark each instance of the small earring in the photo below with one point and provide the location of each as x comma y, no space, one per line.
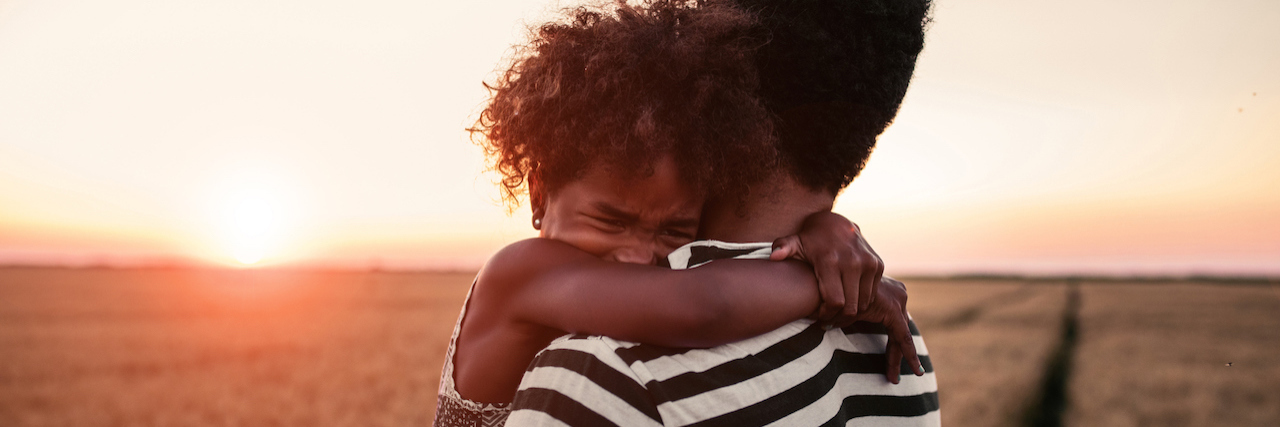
537,224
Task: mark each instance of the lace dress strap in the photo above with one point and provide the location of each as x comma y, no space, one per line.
453,410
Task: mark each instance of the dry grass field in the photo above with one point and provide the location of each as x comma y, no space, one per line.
1177,354
989,342
222,348
264,348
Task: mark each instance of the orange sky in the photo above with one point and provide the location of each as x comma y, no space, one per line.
1088,136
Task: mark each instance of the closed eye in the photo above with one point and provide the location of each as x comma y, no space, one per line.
611,218
608,224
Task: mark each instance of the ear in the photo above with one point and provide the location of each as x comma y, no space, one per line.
537,201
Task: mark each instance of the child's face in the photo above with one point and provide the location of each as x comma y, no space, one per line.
626,220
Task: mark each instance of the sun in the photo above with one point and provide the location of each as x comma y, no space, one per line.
252,225
251,215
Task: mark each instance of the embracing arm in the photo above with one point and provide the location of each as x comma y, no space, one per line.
553,285
848,270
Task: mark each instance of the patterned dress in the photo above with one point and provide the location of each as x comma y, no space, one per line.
453,410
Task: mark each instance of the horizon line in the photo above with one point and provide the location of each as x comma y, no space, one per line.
956,276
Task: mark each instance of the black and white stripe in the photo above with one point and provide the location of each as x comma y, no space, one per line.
799,374
703,251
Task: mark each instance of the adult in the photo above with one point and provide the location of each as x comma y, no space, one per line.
833,77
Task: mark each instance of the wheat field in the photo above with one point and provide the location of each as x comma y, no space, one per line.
98,347
1177,354
222,348
989,342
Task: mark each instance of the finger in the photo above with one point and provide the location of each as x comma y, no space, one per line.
893,357
867,284
875,283
854,275
786,247
842,320
909,348
832,291
875,263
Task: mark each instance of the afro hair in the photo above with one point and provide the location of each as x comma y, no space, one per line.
621,88
833,75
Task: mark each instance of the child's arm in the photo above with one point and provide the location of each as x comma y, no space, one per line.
847,269
546,283
890,310
840,255
553,285
550,285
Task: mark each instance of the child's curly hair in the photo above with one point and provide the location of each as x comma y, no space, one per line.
621,89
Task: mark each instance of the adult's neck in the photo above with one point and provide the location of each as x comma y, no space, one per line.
776,209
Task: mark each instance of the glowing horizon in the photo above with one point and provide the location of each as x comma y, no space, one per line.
325,133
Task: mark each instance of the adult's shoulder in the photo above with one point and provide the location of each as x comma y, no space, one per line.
587,355
580,380
597,346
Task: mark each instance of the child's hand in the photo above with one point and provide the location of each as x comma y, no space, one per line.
890,309
848,270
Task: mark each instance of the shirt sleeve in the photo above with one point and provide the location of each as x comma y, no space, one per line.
581,381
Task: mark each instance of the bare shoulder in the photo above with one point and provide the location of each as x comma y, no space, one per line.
521,262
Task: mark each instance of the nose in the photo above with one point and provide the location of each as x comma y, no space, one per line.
639,253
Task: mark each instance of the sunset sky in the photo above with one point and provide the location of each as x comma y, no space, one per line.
1094,136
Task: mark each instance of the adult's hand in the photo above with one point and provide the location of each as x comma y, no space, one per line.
848,270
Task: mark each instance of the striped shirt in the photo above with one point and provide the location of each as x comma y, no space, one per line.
797,375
